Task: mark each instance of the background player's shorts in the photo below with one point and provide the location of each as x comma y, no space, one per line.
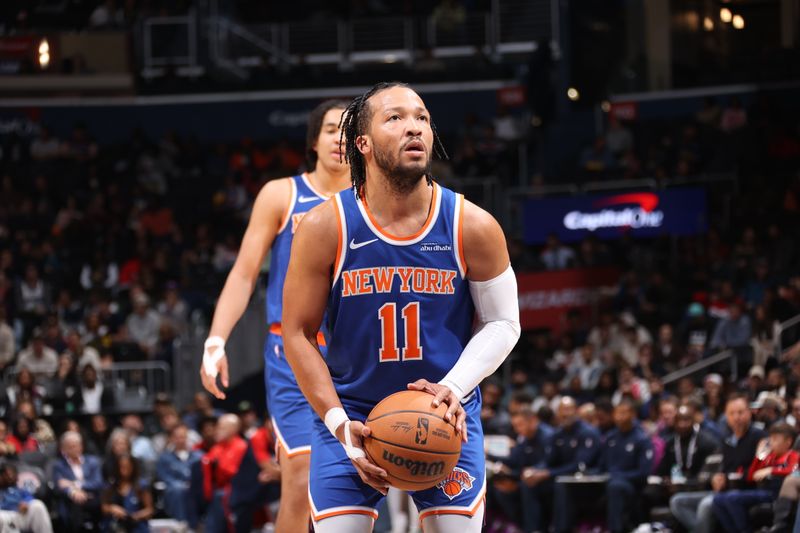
291,414
335,487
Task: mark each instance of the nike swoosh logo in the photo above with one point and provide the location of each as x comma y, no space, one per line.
306,199
356,246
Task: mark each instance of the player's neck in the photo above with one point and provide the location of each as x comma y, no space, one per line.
387,204
329,183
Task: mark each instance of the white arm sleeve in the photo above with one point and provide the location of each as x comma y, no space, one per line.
497,310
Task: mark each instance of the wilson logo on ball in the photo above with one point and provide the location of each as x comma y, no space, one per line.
415,468
422,431
456,482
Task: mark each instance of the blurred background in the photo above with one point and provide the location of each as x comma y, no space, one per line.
642,157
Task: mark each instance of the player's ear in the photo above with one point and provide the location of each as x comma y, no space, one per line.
362,143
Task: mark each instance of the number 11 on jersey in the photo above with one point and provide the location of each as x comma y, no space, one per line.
412,351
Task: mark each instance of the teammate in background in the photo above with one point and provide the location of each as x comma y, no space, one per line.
402,266
277,210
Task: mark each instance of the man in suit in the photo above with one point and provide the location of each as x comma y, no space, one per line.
78,481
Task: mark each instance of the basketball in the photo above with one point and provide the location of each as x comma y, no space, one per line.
412,441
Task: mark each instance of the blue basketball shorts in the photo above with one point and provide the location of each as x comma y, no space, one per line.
292,416
335,487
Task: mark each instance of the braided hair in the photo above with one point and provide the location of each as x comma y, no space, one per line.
355,122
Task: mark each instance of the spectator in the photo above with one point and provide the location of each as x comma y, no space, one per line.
21,438
693,509
627,457
63,388
731,508
174,469
40,360
143,324
557,256
732,332
40,428
208,434
587,367
220,464
118,445
174,309
200,408
19,510
8,345
99,432
33,298
25,389
126,505
687,449
7,449
94,396
618,138
494,418
81,354
77,480
141,445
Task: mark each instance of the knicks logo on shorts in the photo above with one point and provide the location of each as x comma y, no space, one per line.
457,482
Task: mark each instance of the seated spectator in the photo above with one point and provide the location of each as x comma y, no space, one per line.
516,489
82,355
98,435
63,387
141,445
8,345
25,389
174,469
219,465
694,509
21,437
7,449
587,367
19,510
94,396
143,324
126,505
77,481
200,408
768,409
174,309
37,358
208,434
627,457
118,445
557,256
731,508
687,449
494,418
733,331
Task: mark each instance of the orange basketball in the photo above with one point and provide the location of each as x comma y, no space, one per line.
412,441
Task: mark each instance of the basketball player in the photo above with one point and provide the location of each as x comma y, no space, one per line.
402,266
277,210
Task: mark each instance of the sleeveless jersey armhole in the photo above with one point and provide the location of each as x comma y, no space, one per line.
341,245
458,235
290,207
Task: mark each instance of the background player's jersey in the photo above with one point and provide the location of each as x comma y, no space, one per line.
399,308
303,198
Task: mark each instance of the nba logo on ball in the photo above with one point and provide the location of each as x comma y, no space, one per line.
422,431
456,482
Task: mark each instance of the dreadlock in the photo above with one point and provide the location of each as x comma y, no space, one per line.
355,121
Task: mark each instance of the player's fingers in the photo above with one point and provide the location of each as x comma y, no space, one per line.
365,431
439,397
420,384
223,371
370,468
461,423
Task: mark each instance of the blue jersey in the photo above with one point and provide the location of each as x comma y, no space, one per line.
303,199
399,308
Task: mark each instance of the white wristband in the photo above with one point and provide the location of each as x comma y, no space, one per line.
334,418
213,351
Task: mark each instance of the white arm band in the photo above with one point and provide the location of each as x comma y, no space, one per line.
497,309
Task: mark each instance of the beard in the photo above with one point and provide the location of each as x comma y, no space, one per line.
402,177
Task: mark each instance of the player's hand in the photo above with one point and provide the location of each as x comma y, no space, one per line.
370,473
214,364
442,394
